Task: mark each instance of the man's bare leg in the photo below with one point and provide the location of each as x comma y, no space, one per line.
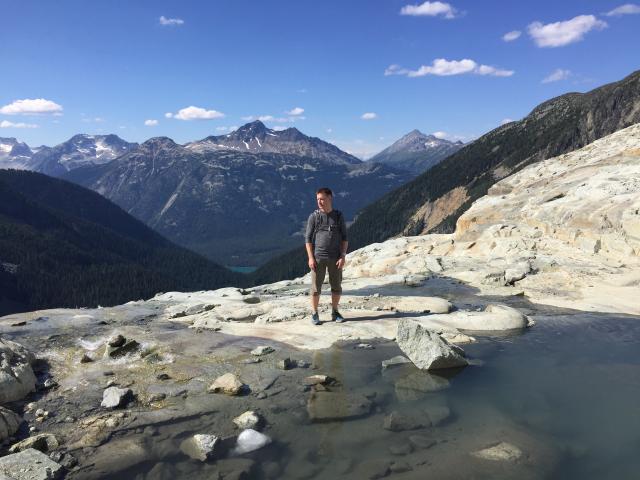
315,300
335,300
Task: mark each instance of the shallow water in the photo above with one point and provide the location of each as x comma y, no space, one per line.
565,392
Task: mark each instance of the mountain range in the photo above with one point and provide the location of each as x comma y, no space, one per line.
417,152
433,201
231,204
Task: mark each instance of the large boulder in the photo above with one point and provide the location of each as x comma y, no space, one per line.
43,442
30,464
9,423
426,349
16,376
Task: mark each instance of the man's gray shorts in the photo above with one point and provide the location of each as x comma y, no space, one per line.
317,276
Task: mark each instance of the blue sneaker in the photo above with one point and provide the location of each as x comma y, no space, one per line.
336,317
315,319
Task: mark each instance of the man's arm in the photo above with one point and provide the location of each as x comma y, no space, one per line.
308,238
344,244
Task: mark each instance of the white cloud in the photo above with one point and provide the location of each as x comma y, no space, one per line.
429,9
557,75
32,106
279,128
443,67
92,120
329,130
296,111
151,123
511,36
626,9
8,124
440,134
369,116
504,121
195,113
170,22
559,34
226,129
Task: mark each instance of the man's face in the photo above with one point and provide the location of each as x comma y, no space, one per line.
324,202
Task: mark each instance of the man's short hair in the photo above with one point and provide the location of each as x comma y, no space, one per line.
325,190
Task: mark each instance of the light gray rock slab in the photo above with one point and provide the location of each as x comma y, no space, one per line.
30,464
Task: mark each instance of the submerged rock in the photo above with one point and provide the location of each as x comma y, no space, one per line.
326,406
201,447
250,440
317,380
426,349
503,451
30,464
395,362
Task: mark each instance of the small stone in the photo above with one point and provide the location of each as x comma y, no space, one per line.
111,422
399,422
200,447
69,419
50,383
128,347
365,346
249,419
116,340
302,364
261,396
32,429
157,397
111,383
250,440
228,384
262,350
86,358
30,406
163,376
285,364
251,360
108,373
317,380
40,412
114,397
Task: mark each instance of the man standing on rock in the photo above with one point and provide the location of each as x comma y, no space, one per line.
326,243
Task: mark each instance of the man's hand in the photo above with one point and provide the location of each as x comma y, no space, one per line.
340,263
312,263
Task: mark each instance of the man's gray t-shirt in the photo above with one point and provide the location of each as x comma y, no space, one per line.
330,232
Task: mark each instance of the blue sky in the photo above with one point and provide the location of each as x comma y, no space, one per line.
107,66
